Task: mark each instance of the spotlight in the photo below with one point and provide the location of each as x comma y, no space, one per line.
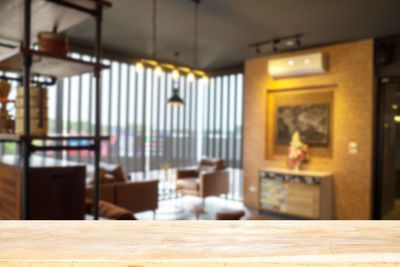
175,75
158,71
190,77
139,67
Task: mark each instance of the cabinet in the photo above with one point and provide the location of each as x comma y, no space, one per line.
298,193
56,189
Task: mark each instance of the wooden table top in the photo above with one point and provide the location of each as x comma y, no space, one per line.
210,243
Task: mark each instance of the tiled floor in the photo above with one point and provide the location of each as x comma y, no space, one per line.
184,208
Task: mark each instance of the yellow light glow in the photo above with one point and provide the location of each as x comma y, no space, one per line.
199,72
206,79
175,75
150,62
395,107
397,118
139,67
158,71
167,66
184,69
191,77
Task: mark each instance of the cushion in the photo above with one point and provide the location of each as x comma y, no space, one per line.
102,173
227,214
118,174
189,184
210,165
111,211
254,217
206,168
106,179
110,174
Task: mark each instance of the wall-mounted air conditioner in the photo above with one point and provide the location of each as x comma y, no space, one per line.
309,64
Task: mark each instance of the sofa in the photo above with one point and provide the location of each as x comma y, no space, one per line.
209,178
122,191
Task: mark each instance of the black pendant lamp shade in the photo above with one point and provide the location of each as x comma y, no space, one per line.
175,99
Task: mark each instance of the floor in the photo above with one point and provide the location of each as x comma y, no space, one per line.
186,207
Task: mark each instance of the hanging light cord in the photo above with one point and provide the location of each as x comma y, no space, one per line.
196,5
154,28
176,55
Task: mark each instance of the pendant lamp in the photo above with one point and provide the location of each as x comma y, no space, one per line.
175,99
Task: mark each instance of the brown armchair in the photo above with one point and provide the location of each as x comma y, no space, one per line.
210,178
118,189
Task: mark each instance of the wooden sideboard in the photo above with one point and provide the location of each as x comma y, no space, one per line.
56,189
302,194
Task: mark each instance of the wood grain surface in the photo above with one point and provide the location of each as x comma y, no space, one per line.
198,243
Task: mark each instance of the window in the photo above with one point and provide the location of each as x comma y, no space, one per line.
145,133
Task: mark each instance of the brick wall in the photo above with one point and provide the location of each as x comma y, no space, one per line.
350,81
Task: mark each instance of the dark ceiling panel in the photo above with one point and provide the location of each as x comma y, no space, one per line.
226,27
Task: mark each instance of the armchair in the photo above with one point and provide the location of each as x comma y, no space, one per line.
119,189
210,178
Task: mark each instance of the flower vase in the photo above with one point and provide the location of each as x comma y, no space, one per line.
297,165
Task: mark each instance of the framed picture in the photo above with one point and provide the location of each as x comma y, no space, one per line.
311,120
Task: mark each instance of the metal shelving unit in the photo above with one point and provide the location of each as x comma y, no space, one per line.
42,15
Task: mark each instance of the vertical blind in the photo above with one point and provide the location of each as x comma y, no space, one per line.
145,133
222,120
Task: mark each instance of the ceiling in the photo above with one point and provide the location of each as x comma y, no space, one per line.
226,27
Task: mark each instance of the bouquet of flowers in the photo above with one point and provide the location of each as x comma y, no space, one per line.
298,152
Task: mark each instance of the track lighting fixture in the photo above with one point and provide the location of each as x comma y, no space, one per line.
275,45
288,41
298,42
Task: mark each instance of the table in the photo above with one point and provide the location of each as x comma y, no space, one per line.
199,243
